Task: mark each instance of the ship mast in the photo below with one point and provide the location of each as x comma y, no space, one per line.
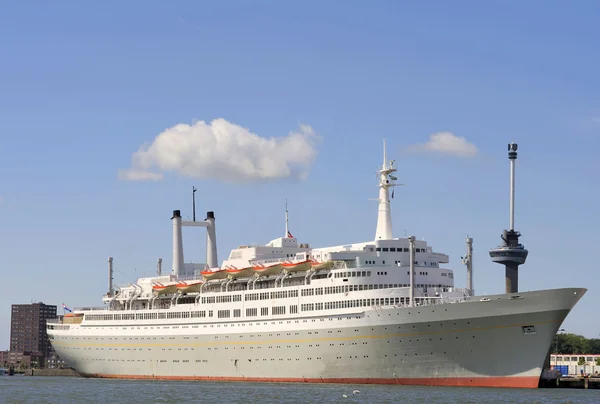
287,231
386,181
194,203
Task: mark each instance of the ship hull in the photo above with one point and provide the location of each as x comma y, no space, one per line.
500,342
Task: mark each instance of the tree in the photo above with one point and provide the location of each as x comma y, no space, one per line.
581,361
593,346
597,361
575,344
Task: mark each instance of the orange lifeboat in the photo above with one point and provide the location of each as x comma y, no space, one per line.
187,287
161,289
296,266
233,272
209,274
265,270
320,266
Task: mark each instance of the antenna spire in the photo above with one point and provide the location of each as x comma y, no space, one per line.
194,203
287,231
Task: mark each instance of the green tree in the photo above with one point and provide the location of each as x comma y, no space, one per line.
597,361
593,346
575,344
581,361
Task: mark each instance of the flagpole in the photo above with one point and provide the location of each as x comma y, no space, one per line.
287,232
194,203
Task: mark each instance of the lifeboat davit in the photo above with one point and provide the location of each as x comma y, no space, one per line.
233,272
161,289
320,266
265,270
296,266
187,287
214,274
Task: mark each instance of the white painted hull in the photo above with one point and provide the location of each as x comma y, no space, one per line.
470,343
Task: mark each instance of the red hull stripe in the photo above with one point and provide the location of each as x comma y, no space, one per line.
508,381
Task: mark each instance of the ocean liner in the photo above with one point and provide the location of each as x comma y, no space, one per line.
382,311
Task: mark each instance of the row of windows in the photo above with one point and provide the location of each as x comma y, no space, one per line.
264,310
574,358
278,310
306,292
283,294
399,249
311,306
312,291
343,304
351,274
222,299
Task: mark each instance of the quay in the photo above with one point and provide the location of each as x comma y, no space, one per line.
571,383
51,372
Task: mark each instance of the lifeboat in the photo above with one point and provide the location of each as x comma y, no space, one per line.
72,318
320,266
296,266
233,272
209,274
161,289
187,287
265,270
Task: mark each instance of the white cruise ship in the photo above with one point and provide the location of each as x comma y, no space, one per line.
381,311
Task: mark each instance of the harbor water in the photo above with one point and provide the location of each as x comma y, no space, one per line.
36,389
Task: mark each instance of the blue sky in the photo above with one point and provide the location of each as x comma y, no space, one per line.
83,87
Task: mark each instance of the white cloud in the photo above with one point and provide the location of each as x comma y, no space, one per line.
135,175
224,151
447,143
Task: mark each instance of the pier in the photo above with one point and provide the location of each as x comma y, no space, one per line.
51,372
571,383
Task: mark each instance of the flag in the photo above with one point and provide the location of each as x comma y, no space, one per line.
392,193
290,235
66,309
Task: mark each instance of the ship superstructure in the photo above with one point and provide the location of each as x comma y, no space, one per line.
381,311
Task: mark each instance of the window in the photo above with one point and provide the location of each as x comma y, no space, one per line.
278,310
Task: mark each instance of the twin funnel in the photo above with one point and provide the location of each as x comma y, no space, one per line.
211,240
